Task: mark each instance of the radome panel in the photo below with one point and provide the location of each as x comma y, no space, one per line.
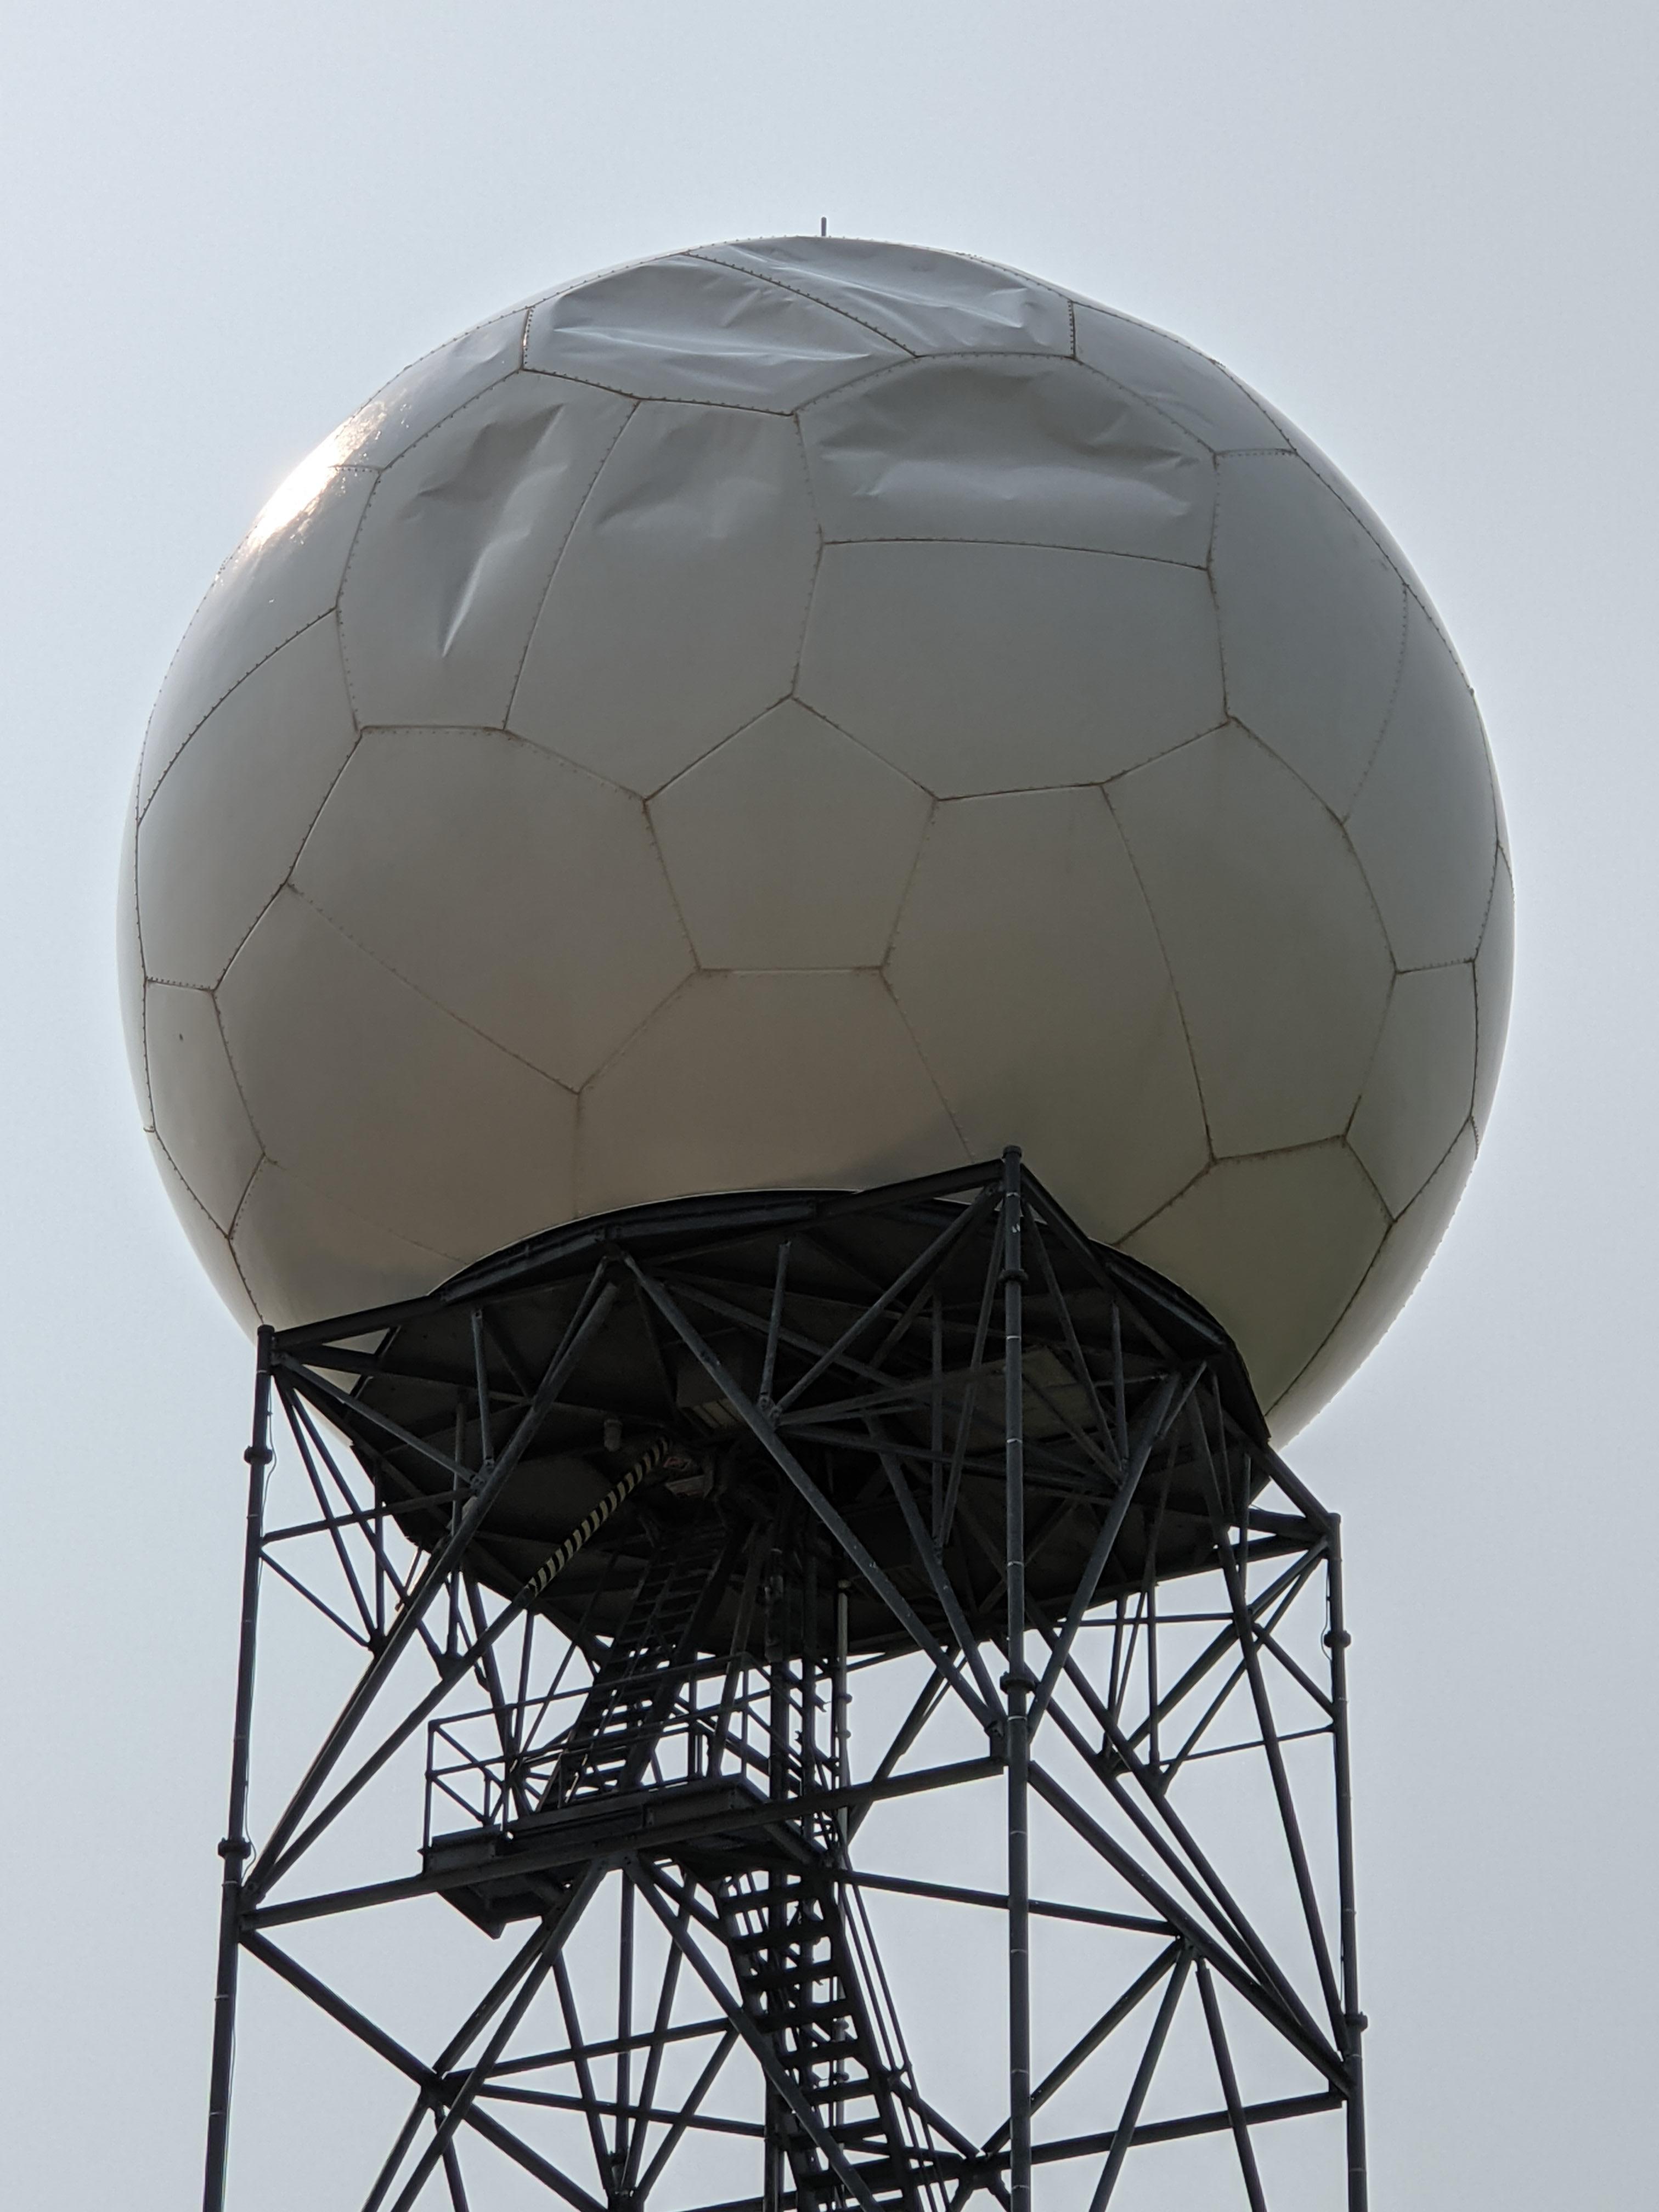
806,711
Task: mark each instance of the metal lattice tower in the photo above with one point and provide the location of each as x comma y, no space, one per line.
624,1532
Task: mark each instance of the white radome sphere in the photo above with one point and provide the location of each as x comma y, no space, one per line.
808,712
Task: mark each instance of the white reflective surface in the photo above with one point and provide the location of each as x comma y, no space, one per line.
809,711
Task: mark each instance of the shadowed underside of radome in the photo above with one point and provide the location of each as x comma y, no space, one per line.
862,1328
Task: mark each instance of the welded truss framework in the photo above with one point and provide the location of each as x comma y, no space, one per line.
679,1776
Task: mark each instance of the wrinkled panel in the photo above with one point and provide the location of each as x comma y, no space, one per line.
305,1256
977,668
199,1114
1311,616
690,329
758,1082
1389,1281
1273,1247
1424,823
1028,968
1494,974
457,548
1280,965
1017,449
429,389
272,586
222,830
790,847
385,1104
1180,382
929,302
206,1242
676,613
518,893
1417,1093
130,961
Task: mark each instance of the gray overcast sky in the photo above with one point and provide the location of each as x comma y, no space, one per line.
1428,234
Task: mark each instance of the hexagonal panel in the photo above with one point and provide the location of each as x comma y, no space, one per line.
1389,1281
456,549
1280,962
1017,449
518,893
982,668
1418,1094
1311,619
305,1256
927,301
382,1102
684,328
790,846
207,1241
1181,382
746,1082
200,1116
1027,965
1494,974
232,812
1424,823
1273,1246
284,576
675,616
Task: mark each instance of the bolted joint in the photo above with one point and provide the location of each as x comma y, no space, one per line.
1357,2021
1018,1678
1338,1642
258,1455
235,1847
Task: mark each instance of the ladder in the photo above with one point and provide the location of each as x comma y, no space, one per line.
609,1745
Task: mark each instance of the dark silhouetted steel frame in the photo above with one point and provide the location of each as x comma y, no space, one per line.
808,1496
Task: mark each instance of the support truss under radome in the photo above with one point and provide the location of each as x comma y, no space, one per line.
862,1658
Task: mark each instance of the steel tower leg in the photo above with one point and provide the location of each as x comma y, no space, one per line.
235,1848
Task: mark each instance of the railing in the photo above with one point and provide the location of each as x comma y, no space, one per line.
497,1765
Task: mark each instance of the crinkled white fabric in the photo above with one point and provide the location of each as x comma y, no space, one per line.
805,712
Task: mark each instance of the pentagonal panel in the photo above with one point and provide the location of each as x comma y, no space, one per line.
457,545
683,328
228,819
519,894
305,1255
980,668
1311,616
927,301
752,1082
130,960
1494,972
199,1113
1424,823
1014,448
431,388
1183,383
1417,1093
1279,960
790,846
384,1103
207,1241
282,577
675,616
1273,1247
1389,1281
1027,965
